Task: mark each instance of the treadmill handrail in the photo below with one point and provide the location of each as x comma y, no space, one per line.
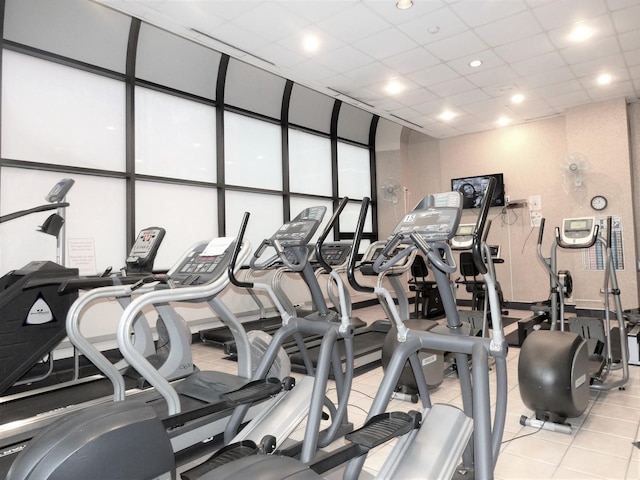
130,315
29,211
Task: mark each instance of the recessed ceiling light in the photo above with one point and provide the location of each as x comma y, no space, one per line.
404,4
517,98
433,29
503,121
581,32
604,79
394,87
311,43
447,115
475,63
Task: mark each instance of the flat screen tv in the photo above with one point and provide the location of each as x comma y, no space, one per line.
473,188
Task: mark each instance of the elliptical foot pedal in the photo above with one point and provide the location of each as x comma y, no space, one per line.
384,427
223,456
253,391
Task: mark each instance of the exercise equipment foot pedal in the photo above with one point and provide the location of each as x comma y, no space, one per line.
384,427
253,392
225,455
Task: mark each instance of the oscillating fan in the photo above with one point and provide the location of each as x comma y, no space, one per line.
574,167
390,190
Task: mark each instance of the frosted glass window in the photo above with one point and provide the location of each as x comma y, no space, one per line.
310,109
354,124
265,219
96,212
349,218
75,29
354,172
73,118
298,204
309,163
253,89
176,62
175,137
188,214
253,152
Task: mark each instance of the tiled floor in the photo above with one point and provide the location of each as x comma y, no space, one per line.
601,446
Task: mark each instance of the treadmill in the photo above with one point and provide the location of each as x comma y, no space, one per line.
195,411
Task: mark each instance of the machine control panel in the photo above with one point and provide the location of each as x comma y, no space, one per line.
463,239
144,250
579,232
202,264
435,218
300,230
335,254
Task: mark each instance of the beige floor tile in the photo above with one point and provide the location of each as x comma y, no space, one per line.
594,463
522,468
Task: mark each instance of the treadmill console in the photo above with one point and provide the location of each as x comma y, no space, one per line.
144,250
300,230
579,232
60,190
463,239
205,263
435,218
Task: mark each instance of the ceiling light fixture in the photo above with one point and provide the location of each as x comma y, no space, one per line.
503,121
581,32
447,115
517,98
475,63
394,87
404,4
604,79
311,43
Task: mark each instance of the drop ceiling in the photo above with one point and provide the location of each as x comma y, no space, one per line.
524,46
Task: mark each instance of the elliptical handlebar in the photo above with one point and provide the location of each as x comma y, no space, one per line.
561,243
325,233
29,211
351,264
236,250
479,232
609,232
253,263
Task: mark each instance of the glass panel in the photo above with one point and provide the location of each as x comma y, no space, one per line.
75,29
354,124
354,173
349,218
188,214
309,163
20,243
73,118
175,137
265,219
170,60
253,152
253,89
310,109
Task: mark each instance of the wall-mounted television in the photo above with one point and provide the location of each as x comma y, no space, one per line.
473,188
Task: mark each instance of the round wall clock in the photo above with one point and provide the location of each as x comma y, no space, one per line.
599,202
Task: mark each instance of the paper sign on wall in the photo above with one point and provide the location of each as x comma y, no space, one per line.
81,254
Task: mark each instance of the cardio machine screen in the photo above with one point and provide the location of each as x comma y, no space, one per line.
465,230
578,225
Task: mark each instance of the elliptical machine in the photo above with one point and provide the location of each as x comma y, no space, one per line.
556,367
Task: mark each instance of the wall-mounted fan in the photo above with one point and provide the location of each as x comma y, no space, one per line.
574,167
390,190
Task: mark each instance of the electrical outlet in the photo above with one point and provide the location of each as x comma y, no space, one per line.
536,219
535,203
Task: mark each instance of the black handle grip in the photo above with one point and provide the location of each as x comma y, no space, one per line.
480,226
541,231
351,266
236,252
332,221
41,208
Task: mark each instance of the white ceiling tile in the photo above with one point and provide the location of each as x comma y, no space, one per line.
415,97
493,76
354,23
618,4
541,63
549,77
343,59
272,21
433,75
386,43
371,73
462,99
452,87
516,27
447,22
630,40
389,11
558,89
632,57
601,27
596,49
598,66
488,57
475,14
557,14
314,10
627,19
457,46
611,91
431,108
525,48
411,61
279,55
